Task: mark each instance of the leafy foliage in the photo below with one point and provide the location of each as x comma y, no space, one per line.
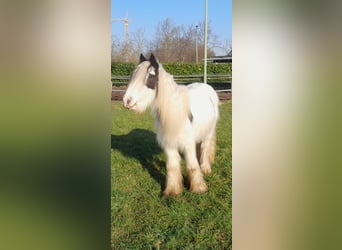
124,69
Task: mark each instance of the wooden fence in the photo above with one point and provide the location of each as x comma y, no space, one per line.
221,83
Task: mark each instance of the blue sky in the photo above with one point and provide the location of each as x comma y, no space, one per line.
146,14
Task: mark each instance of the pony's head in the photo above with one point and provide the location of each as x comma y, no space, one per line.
142,85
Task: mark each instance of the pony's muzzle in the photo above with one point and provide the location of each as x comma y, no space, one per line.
128,102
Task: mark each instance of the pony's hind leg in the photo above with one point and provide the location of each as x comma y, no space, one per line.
197,183
199,151
208,148
174,178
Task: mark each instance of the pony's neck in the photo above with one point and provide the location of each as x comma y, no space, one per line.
172,104
166,80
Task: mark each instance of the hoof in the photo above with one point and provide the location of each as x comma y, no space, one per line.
197,183
198,187
172,192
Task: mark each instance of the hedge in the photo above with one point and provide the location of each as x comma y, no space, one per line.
124,69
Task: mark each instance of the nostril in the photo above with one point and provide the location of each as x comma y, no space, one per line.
129,100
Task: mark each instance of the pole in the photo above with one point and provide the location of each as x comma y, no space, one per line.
196,44
125,21
205,42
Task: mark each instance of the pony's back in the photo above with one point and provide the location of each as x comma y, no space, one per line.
203,100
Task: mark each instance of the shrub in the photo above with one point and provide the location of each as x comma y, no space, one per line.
124,69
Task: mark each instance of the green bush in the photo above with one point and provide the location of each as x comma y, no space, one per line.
197,69
124,69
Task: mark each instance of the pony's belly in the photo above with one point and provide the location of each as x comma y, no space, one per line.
201,130
191,132
204,120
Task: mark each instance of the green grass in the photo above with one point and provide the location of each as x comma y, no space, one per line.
141,218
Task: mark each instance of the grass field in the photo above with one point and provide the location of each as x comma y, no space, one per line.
141,218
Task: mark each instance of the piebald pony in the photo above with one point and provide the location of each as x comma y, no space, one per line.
185,119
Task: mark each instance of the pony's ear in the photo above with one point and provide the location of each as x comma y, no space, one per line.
154,61
142,58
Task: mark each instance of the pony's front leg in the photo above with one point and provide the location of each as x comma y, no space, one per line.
197,183
174,178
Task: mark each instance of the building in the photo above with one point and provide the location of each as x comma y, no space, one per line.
221,59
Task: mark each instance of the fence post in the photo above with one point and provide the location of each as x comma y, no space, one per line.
205,42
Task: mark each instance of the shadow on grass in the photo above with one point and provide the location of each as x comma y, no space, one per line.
141,144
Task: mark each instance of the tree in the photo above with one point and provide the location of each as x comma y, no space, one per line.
177,43
127,51
171,43
224,48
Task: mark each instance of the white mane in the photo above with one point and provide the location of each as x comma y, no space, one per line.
171,107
